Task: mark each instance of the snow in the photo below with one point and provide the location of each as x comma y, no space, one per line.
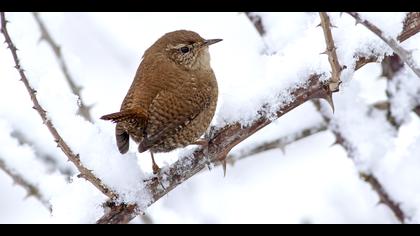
391,28
404,89
304,185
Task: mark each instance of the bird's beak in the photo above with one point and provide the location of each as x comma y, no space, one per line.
209,42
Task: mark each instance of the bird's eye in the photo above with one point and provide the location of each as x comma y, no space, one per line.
185,49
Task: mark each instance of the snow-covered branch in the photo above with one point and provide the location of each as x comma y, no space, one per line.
74,158
369,178
84,110
384,196
279,143
411,26
405,55
256,20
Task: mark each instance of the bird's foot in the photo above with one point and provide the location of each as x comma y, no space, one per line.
205,145
156,168
202,142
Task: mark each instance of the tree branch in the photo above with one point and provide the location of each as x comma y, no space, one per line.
256,20
74,158
411,26
279,143
46,158
405,55
84,110
384,196
368,178
331,52
31,190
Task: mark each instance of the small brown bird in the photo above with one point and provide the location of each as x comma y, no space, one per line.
173,97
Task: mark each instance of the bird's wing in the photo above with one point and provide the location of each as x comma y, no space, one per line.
171,111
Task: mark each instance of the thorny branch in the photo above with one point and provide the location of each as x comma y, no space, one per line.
368,178
84,110
390,66
31,190
384,196
223,140
411,26
74,158
405,55
46,158
279,143
331,52
256,20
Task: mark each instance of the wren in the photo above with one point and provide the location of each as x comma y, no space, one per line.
172,98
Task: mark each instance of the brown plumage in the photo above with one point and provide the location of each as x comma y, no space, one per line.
173,97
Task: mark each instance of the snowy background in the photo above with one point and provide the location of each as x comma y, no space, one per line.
309,181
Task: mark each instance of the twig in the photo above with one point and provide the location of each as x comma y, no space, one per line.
279,143
31,190
368,178
390,66
405,55
45,35
383,196
411,26
417,110
256,20
47,159
74,158
331,52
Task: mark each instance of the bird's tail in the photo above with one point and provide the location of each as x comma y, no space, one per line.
124,115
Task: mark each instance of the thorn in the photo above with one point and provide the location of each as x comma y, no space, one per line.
318,25
283,149
336,142
380,202
33,107
77,89
343,68
56,140
208,166
332,26
324,52
29,194
89,107
224,167
328,97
